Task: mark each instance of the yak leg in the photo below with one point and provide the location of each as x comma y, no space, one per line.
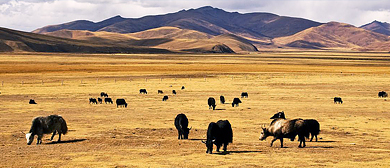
225,147
272,142
312,136
59,137
39,139
218,146
316,138
281,142
54,133
302,141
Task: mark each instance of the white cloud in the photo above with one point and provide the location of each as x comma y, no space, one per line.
28,15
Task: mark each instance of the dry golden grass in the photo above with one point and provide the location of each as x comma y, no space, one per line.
354,134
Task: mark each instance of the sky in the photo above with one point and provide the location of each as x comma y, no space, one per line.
28,15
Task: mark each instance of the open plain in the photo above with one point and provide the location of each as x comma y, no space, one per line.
300,83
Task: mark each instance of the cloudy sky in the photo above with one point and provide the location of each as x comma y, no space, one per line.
28,15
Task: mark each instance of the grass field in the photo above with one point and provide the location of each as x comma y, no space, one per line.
302,84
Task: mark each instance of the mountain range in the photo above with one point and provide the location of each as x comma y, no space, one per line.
205,29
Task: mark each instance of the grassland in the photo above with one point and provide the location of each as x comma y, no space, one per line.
302,84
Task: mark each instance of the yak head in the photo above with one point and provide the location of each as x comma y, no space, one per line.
186,132
209,145
29,138
264,134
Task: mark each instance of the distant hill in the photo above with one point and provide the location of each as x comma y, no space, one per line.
12,40
209,20
379,27
334,35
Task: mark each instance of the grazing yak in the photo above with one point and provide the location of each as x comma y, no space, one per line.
219,133
312,125
165,98
143,91
244,94
92,101
102,94
236,101
46,125
222,99
100,100
382,94
108,100
182,87
160,92
211,102
174,92
32,101
121,103
282,128
181,124
338,100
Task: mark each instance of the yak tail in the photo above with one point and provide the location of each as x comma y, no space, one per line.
64,127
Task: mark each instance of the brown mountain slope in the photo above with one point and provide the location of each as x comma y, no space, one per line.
12,40
379,27
334,35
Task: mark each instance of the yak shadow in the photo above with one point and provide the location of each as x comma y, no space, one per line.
220,109
229,152
68,141
196,139
323,141
324,147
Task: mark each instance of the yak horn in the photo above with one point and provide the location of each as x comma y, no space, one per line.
190,128
23,132
203,141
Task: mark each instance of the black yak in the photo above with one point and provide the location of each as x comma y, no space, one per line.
382,94
174,92
211,102
102,94
236,101
100,100
219,133
222,99
165,98
32,101
338,100
121,102
182,88
279,115
313,127
46,125
92,100
108,100
160,92
244,94
143,91
181,124
283,128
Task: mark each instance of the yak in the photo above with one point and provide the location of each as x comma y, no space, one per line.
222,99
102,94
92,100
279,115
244,94
32,101
143,91
108,100
338,100
282,128
219,133
181,124
174,92
165,98
211,102
46,125
160,92
182,87
121,102
100,100
382,94
236,101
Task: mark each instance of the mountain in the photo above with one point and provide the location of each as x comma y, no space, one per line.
334,35
379,27
209,20
12,40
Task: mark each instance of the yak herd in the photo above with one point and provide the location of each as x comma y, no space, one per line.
218,133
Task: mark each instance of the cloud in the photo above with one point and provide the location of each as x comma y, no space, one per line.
28,15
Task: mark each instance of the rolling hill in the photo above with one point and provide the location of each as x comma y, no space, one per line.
209,20
12,40
379,27
334,35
